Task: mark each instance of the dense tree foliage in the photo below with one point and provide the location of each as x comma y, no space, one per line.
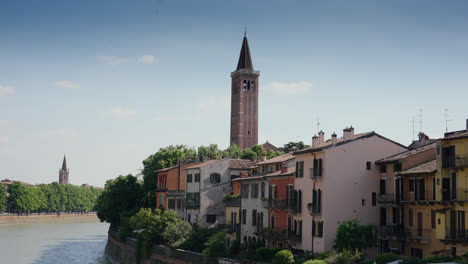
121,198
209,152
217,245
233,152
293,146
271,154
350,235
3,198
52,197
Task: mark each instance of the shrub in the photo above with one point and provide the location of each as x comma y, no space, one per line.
351,235
216,245
411,261
345,257
196,241
177,232
265,254
323,255
235,247
283,257
315,261
385,258
436,259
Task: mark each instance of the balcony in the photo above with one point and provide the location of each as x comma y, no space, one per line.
278,204
386,198
293,237
232,228
316,173
192,204
394,231
232,201
414,197
461,237
459,194
161,188
418,235
276,234
313,210
458,161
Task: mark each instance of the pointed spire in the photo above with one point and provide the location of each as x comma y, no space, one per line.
245,61
64,164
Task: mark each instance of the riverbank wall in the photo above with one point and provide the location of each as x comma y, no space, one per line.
11,219
119,252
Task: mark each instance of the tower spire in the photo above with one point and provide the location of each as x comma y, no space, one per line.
245,61
64,164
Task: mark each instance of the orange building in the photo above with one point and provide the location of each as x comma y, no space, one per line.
170,193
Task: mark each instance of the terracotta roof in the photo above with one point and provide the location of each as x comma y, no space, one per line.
249,178
456,135
167,169
240,164
405,154
268,146
340,141
428,167
202,164
290,171
278,159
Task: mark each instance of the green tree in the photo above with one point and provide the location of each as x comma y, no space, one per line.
350,235
121,198
293,146
259,151
233,152
283,257
272,154
216,246
209,152
248,153
177,232
3,198
197,240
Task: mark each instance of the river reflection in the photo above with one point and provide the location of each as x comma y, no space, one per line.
79,241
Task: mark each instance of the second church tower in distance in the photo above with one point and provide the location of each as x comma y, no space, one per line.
244,100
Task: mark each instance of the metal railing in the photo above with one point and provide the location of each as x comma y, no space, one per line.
279,204
386,198
313,210
392,231
294,237
232,202
271,233
232,228
192,204
420,235
460,236
458,161
417,196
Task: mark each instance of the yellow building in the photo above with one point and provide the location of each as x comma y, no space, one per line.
452,186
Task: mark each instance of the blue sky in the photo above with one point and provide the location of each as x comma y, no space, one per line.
110,82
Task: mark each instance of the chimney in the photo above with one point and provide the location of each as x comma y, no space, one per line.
467,124
348,133
334,140
284,168
321,137
315,141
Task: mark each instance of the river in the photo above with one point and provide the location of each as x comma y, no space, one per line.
52,241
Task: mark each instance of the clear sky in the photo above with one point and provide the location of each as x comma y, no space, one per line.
109,82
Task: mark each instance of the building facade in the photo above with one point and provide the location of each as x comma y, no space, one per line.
244,100
337,184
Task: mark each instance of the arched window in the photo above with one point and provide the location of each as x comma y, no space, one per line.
215,178
272,221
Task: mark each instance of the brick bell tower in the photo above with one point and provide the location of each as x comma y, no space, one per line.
244,100
64,172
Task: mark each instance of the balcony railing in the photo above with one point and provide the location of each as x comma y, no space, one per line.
293,237
232,201
459,161
192,204
161,188
386,198
278,204
392,231
271,233
232,228
458,237
459,194
418,196
316,173
420,235
313,210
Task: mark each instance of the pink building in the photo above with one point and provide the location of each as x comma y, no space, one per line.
338,184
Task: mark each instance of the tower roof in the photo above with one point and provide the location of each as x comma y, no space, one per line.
245,61
64,164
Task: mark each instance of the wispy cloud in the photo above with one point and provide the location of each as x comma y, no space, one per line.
7,90
215,103
112,60
164,118
67,84
4,139
147,59
62,132
120,112
288,88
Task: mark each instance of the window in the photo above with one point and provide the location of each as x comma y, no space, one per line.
273,192
417,252
189,177
314,232
171,204
245,190
320,229
383,168
299,169
197,177
448,157
316,201
383,186
363,202
244,216
374,199
262,189
254,190
395,215
396,167
211,218
368,165
433,218
272,221
317,169
215,178
411,185
254,217
189,218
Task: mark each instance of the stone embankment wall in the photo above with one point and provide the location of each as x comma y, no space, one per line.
118,252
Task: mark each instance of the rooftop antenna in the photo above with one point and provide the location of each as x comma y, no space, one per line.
318,125
420,120
245,31
446,120
413,128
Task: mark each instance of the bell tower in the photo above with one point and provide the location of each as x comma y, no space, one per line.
244,100
63,173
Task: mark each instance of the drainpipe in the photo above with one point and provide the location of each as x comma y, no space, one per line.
313,217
